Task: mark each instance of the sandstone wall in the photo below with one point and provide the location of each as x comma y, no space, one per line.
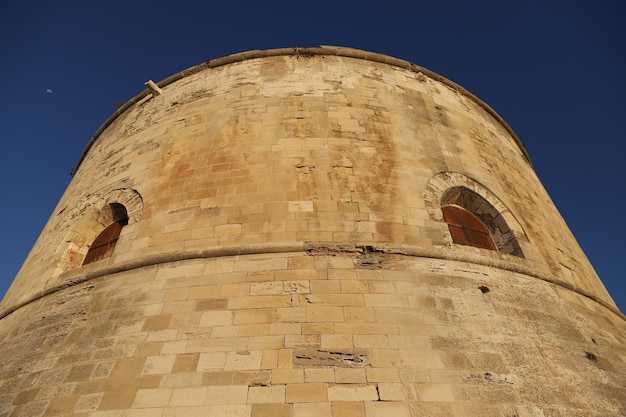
285,255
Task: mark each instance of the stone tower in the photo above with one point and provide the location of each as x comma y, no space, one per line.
308,232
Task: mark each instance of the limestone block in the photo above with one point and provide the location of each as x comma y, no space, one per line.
153,397
211,360
269,394
243,360
226,411
308,393
273,329
382,375
385,409
288,376
350,376
272,410
319,409
182,379
329,341
352,392
319,375
188,396
434,392
227,394
158,364
266,342
348,409
396,392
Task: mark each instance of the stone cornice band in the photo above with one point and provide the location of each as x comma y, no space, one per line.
97,270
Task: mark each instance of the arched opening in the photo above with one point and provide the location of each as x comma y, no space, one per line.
456,189
95,213
103,245
467,229
119,213
481,217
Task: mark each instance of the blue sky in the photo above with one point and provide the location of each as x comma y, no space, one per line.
554,70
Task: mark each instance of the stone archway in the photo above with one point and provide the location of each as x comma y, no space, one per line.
454,188
96,218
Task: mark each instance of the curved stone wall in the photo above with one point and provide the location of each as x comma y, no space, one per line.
284,254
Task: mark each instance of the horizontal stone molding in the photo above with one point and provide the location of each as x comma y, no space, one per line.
101,269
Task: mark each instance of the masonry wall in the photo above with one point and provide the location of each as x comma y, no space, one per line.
285,257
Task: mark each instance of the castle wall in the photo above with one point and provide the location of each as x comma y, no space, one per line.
320,334
285,255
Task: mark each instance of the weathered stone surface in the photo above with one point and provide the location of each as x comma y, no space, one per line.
286,255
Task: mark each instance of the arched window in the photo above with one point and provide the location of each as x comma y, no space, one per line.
466,229
473,203
478,216
103,245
